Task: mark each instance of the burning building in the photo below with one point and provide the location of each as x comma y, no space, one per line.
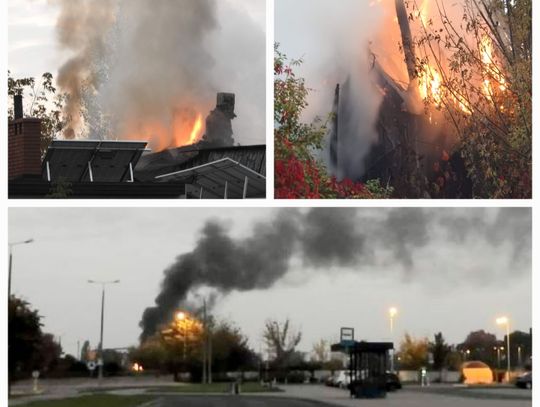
139,117
425,98
212,167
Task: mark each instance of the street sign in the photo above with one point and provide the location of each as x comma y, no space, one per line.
347,334
91,365
347,337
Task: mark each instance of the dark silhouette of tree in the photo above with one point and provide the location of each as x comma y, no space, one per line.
480,345
440,350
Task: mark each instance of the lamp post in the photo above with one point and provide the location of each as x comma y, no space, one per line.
497,349
506,322
181,317
392,312
100,348
11,245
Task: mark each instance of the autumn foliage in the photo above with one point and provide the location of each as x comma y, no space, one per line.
298,173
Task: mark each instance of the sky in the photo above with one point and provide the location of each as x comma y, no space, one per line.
238,66
31,32
448,270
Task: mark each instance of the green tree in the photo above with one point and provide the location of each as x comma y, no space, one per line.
151,354
321,351
440,350
179,348
47,354
522,341
454,360
28,347
281,340
60,189
230,350
24,337
43,102
413,353
480,345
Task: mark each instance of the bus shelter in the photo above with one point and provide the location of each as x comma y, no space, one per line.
368,363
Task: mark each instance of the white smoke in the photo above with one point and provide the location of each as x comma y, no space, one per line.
333,40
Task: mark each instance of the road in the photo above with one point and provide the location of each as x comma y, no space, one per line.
294,395
415,396
232,401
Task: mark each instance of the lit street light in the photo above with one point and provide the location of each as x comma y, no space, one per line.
181,317
100,348
392,312
11,245
506,322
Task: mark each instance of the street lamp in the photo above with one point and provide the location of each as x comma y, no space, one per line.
181,317
506,322
392,312
11,245
100,348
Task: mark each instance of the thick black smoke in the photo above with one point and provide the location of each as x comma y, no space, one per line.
327,239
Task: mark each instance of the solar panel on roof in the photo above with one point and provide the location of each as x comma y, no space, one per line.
92,160
221,178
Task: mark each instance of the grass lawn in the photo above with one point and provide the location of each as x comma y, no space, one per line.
248,387
101,400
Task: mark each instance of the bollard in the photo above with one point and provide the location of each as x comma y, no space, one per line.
35,376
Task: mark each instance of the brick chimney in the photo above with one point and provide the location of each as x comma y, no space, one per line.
24,141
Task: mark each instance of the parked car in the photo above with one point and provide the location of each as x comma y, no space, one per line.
329,381
392,382
343,379
524,381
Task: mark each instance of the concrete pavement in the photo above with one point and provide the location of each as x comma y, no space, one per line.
293,395
413,396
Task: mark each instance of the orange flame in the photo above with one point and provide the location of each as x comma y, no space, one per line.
186,128
197,129
429,81
490,71
431,86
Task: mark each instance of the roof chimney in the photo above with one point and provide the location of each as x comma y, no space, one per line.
18,106
24,144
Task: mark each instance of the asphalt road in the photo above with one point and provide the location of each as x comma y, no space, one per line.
233,401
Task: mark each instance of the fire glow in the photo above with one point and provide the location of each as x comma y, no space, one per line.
431,84
491,70
185,128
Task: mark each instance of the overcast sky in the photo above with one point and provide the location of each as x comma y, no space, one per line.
32,45
449,270
238,66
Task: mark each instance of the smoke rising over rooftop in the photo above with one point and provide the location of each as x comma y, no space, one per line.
328,240
141,72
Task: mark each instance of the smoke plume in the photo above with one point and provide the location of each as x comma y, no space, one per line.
81,28
332,240
154,70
